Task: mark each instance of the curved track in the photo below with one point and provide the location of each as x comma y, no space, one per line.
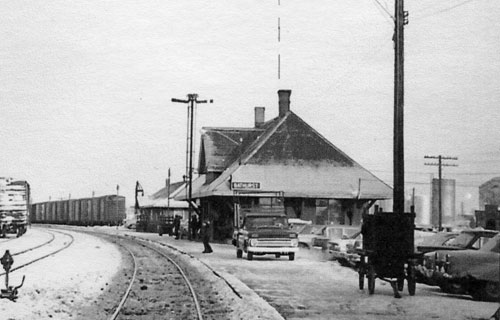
136,245
65,246
53,236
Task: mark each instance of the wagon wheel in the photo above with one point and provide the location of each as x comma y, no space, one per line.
371,280
412,283
361,280
401,284
362,272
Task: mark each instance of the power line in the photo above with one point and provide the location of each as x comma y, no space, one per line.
443,10
385,10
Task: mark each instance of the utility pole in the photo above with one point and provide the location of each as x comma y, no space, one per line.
401,19
440,164
138,189
192,101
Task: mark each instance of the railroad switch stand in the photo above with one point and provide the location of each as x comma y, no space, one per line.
9,292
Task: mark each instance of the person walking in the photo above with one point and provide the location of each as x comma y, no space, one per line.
205,237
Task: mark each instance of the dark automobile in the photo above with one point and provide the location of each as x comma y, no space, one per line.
476,272
436,241
467,239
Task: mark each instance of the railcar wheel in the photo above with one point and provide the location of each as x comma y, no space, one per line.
239,253
291,256
250,256
371,280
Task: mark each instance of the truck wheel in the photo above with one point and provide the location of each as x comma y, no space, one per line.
3,232
239,253
250,256
291,256
278,255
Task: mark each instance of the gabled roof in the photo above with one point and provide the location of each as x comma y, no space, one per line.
164,192
286,155
164,198
221,146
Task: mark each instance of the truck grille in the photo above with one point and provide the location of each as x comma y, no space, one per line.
273,243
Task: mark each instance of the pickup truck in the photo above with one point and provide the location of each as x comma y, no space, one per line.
261,234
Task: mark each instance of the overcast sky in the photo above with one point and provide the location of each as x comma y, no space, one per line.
86,86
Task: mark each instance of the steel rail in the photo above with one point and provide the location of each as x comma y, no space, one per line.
193,293
45,256
127,292
38,246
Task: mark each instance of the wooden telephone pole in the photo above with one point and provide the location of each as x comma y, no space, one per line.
401,19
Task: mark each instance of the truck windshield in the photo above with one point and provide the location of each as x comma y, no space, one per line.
271,222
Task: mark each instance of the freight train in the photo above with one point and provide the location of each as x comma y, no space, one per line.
96,211
14,206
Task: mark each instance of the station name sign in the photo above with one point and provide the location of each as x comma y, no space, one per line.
245,185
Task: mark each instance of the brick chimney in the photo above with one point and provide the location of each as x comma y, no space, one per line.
259,116
284,102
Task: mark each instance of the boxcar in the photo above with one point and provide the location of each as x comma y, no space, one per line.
104,210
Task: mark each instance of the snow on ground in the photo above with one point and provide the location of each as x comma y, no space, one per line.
312,287
308,288
57,287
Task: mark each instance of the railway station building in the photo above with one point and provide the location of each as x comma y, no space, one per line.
282,162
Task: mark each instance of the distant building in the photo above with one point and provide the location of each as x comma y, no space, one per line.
161,203
489,193
283,159
489,218
488,215
447,202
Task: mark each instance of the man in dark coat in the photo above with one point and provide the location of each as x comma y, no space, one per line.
177,226
194,227
205,236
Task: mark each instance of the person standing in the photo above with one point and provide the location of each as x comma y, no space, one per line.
205,237
177,226
194,227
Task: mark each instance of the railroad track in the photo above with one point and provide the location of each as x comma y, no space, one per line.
179,302
155,283
44,256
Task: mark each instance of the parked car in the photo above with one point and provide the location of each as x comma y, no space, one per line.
472,239
333,234
469,239
344,250
436,241
475,272
298,225
309,233
319,236
130,223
